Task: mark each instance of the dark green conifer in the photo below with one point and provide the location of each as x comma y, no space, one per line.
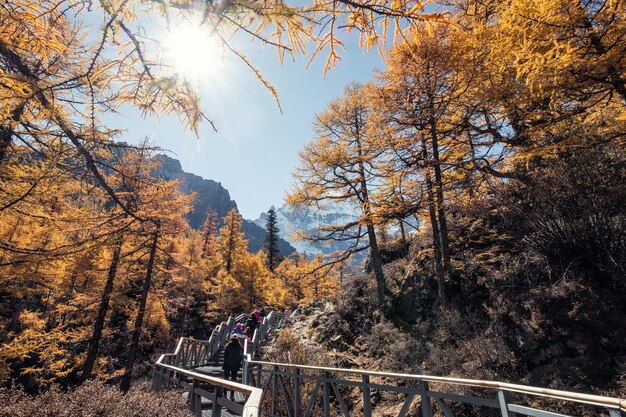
270,245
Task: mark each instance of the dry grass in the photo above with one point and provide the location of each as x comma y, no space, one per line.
94,398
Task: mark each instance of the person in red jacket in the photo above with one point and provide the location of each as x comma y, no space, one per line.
248,333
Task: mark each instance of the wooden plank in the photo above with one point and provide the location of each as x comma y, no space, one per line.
485,402
342,403
326,393
504,397
444,407
381,387
265,389
220,382
407,404
217,408
230,405
190,398
157,377
367,399
311,402
296,393
204,393
283,390
528,411
427,410
274,391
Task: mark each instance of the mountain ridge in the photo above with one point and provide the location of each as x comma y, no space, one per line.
212,194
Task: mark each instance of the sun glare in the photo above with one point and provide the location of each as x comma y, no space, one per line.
192,52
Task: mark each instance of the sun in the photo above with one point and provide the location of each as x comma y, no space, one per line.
192,52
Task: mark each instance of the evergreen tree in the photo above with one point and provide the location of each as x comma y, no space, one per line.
270,246
209,231
340,165
232,243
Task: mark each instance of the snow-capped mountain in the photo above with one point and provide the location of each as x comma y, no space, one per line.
308,220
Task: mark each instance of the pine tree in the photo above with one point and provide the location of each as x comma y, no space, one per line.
209,231
421,101
270,246
340,166
141,311
94,342
232,244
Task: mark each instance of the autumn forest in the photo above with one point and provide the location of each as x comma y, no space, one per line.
486,160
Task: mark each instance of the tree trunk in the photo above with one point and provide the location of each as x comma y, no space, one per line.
471,182
134,344
94,342
376,259
439,270
377,263
231,246
441,213
402,233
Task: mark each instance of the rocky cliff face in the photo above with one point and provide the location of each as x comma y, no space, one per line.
211,194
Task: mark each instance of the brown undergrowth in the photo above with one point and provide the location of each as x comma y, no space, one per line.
93,398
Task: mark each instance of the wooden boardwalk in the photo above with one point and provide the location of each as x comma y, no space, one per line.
287,390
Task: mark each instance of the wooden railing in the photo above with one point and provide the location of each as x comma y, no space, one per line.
295,391
200,386
174,369
289,390
271,321
191,353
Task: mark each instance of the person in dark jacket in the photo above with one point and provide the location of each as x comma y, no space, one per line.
251,322
232,362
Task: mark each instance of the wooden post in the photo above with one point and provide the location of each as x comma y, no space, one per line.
244,372
191,399
367,399
326,395
504,398
296,393
156,378
217,409
167,376
199,405
427,409
274,392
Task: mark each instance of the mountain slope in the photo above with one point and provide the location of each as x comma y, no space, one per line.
211,194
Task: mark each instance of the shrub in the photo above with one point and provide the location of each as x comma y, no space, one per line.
93,398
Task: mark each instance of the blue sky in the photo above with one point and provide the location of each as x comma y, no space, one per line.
255,149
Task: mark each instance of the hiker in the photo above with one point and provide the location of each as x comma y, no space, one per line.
248,333
232,362
251,323
238,331
239,334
